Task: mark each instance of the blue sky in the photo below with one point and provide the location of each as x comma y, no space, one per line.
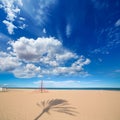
66,43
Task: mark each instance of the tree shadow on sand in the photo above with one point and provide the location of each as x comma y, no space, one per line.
58,105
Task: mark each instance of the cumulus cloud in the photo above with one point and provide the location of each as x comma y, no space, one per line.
75,68
8,62
11,7
45,50
27,71
11,63
49,55
29,58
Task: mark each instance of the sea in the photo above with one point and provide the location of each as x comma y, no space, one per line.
113,89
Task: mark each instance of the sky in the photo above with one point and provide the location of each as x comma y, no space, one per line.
65,43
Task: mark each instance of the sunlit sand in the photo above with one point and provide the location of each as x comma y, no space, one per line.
60,105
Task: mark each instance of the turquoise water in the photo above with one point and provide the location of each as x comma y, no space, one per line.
117,89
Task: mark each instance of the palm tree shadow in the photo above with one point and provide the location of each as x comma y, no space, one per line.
58,105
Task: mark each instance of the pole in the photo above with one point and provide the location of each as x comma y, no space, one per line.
41,86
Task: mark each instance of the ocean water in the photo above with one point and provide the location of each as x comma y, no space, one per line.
115,89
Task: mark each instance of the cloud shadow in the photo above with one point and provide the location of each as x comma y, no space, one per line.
58,105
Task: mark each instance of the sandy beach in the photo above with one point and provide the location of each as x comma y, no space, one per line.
60,105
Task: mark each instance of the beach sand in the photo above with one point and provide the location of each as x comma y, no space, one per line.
60,105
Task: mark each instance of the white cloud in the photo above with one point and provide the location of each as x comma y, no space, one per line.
29,58
67,71
11,7
59,84
44,30
22,26
9,48
8,62
39,9
27,71
45,50
12,64
22,23
21,18
81,62
10,26
110,37
43,10
117,24
75,68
